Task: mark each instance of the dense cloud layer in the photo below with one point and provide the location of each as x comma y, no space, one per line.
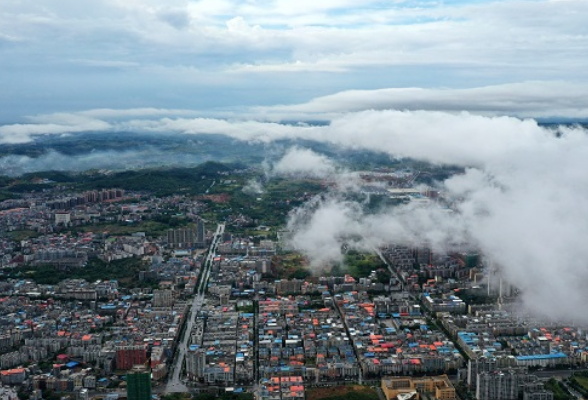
355,107
67,55
438,137
145,157
524,99
50,125
421,134
522,201
523,206
305,162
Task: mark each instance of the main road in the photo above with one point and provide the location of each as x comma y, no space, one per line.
174,383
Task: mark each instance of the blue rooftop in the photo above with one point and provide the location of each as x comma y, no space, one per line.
542,356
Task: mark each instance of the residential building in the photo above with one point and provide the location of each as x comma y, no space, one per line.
139,383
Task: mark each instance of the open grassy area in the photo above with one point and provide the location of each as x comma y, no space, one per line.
151,228
17,236
582,381
291,265
558,391
125,271
269,207
350,392
360,265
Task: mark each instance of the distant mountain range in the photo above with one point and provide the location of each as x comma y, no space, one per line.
131,151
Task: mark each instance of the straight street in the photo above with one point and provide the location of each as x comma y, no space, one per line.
175,383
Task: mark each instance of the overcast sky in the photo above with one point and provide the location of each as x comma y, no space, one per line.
505,57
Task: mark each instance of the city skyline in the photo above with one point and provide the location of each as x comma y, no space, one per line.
266,197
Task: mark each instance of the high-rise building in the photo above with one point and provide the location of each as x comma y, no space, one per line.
195,363
129,356
488,364
139,383
536,391
497,385
200,234
422,255
163,298
182,238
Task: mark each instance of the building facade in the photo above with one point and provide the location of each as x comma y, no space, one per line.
139,383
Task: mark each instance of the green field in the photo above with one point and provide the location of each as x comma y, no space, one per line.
360,265
350,392
558,392
125,271
151,228
582,381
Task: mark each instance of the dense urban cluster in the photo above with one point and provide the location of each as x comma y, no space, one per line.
210,309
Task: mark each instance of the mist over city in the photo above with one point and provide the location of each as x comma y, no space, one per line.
276,200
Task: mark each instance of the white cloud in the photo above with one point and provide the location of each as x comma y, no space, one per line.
253,187
239,26
320,228
50,125
489,58
420,134
299,161
525,99
522,201
398,133
104,63
296,66
110,113
368,43
524,211
242,130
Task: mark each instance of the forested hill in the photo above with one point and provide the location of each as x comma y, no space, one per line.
159,181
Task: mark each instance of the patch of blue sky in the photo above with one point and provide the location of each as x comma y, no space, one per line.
442,3
421,17
419,20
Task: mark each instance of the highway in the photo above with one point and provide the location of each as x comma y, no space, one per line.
175,384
